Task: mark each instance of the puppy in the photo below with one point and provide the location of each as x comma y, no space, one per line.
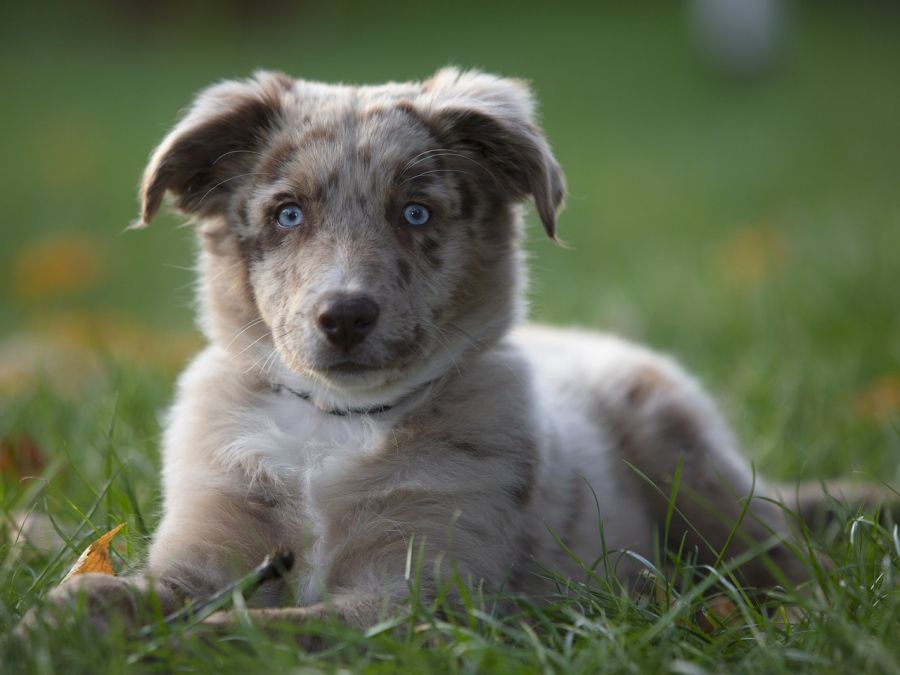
369,388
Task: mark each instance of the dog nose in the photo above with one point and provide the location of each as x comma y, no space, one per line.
347,319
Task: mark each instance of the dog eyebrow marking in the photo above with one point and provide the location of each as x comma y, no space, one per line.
276,162
280,157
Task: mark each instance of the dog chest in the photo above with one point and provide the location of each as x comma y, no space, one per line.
310,440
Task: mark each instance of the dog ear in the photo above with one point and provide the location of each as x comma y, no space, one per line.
217,142
494,119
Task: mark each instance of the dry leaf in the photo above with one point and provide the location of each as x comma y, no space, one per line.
20,457
719,612
95,557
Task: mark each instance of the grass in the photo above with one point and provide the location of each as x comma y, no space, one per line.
749,226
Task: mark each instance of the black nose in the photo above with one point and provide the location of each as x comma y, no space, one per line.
347,319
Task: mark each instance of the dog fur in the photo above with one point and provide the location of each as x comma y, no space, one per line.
499,438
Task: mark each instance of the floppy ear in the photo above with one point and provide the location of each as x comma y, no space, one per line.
204,157
493,118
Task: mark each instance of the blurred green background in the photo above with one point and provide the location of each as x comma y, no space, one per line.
740,213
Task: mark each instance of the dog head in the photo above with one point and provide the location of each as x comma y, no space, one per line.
357,241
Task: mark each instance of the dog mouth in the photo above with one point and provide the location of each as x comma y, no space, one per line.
358,364
349,368
356,369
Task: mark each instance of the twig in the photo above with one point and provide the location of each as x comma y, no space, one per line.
274,566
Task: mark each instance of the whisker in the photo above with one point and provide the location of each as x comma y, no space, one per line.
180,268
425,152
255,364
252,344
269,363
425,173
222,182
232,152
473,341
444,343
243,330
443,153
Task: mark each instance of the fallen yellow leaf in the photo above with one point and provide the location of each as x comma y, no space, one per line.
95,557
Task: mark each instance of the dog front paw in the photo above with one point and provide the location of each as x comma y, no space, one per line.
104,601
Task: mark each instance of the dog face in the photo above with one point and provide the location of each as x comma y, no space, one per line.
367,235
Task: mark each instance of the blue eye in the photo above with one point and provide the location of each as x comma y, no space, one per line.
416,214
289,216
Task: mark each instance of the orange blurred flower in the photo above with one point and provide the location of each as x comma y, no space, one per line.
58,265
879,401
751,255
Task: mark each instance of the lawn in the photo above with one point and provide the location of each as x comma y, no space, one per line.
749,225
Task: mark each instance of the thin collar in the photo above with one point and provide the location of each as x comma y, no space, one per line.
339,412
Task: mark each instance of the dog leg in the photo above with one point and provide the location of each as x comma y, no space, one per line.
358,610
667,427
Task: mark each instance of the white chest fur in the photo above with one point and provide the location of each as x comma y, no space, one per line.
292,437
318,449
